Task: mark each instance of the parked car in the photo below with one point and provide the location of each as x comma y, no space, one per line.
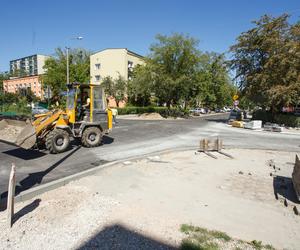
38,110
197,111
235,115
226,109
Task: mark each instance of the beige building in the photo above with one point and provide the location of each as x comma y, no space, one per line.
112,62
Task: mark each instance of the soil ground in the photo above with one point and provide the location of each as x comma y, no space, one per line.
142,204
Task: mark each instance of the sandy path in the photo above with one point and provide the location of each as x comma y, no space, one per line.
143,204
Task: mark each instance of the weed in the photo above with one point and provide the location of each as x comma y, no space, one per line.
220,235
257,244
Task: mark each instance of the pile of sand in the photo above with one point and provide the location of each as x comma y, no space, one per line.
151,116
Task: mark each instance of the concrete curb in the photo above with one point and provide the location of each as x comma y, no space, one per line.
43,188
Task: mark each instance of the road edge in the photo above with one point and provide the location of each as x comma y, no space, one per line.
43,188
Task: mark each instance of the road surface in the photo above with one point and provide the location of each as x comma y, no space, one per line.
132,138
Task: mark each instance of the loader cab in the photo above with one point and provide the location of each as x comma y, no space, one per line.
77,97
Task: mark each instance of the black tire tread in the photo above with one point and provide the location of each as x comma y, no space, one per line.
84,140
49,140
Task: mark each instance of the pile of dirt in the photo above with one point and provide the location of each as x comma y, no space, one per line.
151,116
8,132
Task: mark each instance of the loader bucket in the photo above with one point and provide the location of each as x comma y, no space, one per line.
19,133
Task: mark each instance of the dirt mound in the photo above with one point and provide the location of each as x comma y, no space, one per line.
151,116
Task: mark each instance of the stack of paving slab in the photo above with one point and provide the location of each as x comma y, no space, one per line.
273,127
255,124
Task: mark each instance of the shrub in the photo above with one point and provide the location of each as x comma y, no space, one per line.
289,120
262,115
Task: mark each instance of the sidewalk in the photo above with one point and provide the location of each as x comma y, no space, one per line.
142,204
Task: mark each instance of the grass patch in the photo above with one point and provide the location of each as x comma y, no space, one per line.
220,235
202,239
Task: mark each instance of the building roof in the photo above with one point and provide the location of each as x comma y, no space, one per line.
128,51
27,56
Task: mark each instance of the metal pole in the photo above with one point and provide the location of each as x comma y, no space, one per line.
68,80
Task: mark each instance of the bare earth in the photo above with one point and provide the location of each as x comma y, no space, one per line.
141,205
9,133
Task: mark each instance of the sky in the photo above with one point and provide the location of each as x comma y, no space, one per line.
39,26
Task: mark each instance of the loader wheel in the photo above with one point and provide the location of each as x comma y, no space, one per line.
57,141
91,137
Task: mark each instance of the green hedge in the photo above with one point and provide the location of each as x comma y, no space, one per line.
289,120
163,111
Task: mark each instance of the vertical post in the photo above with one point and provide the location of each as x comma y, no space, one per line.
11,195
68,80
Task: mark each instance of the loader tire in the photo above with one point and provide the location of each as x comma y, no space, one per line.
57,141
91,137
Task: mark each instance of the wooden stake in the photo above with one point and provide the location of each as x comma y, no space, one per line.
11,195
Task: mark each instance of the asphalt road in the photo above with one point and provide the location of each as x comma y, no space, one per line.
132,138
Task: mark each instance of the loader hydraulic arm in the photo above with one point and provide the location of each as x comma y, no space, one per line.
43,122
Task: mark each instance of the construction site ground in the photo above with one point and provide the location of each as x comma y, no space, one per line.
132,138
142,204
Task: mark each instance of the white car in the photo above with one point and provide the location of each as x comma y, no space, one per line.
226,109
198,111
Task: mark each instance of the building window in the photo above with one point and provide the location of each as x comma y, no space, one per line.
130,64
97,66
97,78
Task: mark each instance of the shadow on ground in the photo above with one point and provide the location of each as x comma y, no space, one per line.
217,120
120,237
24,154
107,140
26,210
36,178
283,186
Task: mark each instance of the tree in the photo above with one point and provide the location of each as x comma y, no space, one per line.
178,73
139,90
56,68
115,88
266,59
3,76
174,60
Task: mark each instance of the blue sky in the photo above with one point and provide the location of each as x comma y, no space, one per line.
37,26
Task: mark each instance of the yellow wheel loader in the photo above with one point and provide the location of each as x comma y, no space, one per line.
86,119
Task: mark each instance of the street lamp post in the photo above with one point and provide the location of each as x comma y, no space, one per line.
68,72
67,54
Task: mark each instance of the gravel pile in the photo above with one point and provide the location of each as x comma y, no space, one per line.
56,220
9,132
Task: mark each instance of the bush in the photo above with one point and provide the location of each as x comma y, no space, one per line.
289,120
163,111
262,115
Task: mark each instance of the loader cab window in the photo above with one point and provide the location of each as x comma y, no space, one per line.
98,101
86,100
71,99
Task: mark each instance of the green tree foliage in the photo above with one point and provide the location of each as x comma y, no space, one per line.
56,69
266,59
139,87
116,88
177,73
3,76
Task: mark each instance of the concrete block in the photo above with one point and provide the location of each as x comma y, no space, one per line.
255,124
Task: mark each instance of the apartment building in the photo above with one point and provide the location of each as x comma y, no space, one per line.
26,72
113,62
23,84
28,66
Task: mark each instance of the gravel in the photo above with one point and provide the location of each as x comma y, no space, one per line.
143,204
